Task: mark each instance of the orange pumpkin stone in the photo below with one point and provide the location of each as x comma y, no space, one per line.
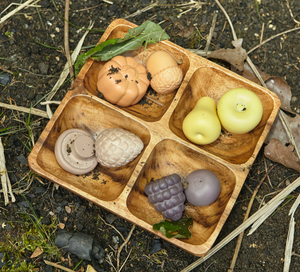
123,81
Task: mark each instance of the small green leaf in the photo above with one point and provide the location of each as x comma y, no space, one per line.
177,229
147,32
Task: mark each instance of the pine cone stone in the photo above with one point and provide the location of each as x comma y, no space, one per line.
116,147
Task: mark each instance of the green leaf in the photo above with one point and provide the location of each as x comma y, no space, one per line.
147,32
177,229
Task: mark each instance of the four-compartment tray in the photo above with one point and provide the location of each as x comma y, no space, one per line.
166,149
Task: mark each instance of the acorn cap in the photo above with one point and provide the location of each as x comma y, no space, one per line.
75,151
167,80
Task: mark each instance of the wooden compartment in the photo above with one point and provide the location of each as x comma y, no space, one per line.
166,149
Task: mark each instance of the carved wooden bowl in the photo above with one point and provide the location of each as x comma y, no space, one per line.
166,151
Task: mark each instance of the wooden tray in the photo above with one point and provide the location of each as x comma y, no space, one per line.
167,151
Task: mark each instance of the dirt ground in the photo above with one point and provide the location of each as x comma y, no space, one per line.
31,53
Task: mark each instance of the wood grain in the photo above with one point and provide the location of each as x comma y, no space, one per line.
167,151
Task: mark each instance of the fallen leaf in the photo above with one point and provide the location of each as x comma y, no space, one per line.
184,32
278,152
68,209
278,131
280,87
236,57
90,269
81,269
70,261
275,84
61,225
37,252
248,73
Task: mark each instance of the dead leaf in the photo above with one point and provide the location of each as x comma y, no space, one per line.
90,269
278,152
68,209
280,87
275,84
70,261
248,73
61,225
37,252
184,32
81,269
235,57
278,131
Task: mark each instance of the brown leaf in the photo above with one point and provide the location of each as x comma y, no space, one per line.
184,32
61,225
275,84
90,269
248,73
278,131
278,152
37,252
235,57
68,209
279,86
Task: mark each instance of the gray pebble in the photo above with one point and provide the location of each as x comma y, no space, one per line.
115,239
5,79
46,221
40,190
22,159
43,68
2,259
58,209
156,246
24,204
110,218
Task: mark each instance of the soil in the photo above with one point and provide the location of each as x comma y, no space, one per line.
31,45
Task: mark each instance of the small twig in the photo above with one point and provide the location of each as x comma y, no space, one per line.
291,13
78,10
125,260
211,31
6,185
290,238
108,2
66,39
263,212
295,254
140,11
267,172
5,70
112,227
58,266
121,247
65,72
154,100
201,53
35,73
262,33
271,38
108,259
50,102
24,109
18,4
3,19
251,191
240,238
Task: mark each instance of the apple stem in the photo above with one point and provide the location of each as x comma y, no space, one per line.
240,107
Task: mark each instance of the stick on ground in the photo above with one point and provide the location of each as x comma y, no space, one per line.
240,238
6,185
